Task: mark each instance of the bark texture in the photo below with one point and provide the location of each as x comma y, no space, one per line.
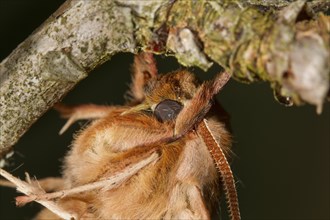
41,70
283,42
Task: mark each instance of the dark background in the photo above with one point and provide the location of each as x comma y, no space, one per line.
282,154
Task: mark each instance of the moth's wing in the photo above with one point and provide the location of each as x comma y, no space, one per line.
50,184
187,202
47,184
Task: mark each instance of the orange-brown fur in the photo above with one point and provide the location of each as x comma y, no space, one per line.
182,184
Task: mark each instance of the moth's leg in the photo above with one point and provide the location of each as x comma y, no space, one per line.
144,69
87,111
6,183
187,205
82,112
195,110
48,184
51,183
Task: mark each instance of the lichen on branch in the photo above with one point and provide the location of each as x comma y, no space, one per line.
286,47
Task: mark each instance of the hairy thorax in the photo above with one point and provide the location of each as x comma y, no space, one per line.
101,150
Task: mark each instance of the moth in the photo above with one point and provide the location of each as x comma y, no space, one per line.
161,156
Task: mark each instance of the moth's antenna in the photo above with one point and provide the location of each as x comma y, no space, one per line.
222,164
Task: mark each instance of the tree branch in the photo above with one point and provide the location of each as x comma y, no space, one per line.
41,70
34,193
281,42
29,189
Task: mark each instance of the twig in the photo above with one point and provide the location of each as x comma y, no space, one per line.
29,189
36,194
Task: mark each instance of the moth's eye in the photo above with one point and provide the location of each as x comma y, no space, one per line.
167,110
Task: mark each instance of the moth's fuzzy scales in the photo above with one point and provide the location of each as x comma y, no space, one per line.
178,170
183,183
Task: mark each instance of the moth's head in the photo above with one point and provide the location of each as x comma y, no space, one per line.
166,94
178,86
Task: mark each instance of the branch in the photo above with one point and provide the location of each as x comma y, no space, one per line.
284,43
288,47
30,189
39,72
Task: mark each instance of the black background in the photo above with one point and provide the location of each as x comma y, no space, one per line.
282,154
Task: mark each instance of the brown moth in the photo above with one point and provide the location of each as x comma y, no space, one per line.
162,156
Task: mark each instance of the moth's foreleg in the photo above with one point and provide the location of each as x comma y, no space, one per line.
82,112
48,184
144,69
